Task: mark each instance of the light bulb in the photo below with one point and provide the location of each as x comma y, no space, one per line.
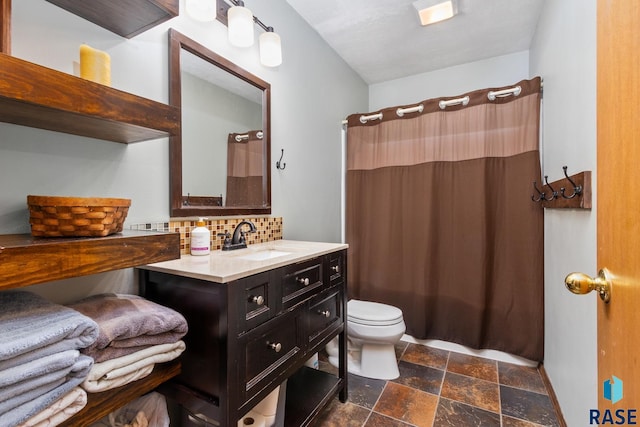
201,10
240,23
270,49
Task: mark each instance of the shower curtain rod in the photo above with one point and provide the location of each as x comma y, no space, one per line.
492,95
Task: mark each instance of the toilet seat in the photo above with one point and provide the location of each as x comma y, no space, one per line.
373,313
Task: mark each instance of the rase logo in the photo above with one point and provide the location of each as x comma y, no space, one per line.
613,390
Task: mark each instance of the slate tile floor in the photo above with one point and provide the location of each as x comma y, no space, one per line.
442,388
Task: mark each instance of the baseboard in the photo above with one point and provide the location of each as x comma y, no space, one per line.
552,395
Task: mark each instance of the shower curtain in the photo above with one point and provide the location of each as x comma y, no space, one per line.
440,222
245,169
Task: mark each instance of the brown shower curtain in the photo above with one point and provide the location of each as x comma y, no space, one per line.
245,169
440,222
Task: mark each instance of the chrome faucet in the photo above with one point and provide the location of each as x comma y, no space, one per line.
238,240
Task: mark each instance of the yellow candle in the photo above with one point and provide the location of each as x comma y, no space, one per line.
95,65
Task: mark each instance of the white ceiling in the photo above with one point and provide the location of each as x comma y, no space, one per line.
383,39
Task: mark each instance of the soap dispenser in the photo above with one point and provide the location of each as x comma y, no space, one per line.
200,239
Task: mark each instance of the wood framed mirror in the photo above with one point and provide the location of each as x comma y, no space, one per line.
219,160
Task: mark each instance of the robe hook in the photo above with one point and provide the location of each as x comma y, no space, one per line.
540,193
554,195
577,189
279,162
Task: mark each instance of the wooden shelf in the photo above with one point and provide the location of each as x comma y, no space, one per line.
126,18
37,96
101,404
26,260
308,392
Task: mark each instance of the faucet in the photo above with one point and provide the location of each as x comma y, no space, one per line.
238,241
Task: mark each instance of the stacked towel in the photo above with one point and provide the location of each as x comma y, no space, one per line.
134,335
39,358
60,410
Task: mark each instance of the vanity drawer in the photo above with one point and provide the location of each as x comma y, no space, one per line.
336,264
324,312
300,281
258,301
269,347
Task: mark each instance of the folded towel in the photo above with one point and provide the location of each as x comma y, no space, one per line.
61,410
49,371
36,400
32,327
123,370
129,323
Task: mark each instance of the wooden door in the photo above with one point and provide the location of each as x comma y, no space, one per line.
618,110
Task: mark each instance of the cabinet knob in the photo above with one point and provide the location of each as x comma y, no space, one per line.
275,346
258,299
335,268
304,281
325,313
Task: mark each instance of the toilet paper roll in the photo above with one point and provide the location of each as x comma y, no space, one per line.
252,419
269,405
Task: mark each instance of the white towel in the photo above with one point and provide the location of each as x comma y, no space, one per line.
61,410
123,370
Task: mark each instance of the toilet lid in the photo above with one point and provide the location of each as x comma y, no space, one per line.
373,313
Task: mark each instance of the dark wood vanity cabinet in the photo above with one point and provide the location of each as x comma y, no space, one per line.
248,336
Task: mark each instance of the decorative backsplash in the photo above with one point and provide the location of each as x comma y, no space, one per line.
269,229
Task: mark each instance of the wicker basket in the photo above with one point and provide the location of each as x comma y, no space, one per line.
76,216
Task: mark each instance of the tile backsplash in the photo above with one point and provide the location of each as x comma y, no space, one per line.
269,228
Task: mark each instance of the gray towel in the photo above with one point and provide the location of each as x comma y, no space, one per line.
129,323
24,406
32,327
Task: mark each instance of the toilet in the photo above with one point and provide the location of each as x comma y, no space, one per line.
373,329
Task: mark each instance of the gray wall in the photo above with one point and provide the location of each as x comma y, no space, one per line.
452,81
564,53
311,92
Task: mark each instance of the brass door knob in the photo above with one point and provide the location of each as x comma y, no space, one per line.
580,283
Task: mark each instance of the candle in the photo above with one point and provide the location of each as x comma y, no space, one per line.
95,65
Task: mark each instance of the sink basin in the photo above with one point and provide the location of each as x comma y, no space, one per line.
264,255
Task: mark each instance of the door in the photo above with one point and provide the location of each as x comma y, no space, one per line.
618,139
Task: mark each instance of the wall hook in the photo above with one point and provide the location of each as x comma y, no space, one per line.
577,189
540,193
554,195
279,162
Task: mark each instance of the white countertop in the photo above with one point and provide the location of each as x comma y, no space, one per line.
227,266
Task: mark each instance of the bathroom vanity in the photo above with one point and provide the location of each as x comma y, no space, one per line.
255,316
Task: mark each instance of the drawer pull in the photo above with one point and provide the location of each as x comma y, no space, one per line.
258,299
304,281
275,346
335,268
325,313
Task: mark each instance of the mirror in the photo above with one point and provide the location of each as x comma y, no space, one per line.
219,161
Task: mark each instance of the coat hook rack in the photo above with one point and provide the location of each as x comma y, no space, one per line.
575,191
279,164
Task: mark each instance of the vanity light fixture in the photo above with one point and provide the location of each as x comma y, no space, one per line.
432,11
239,21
